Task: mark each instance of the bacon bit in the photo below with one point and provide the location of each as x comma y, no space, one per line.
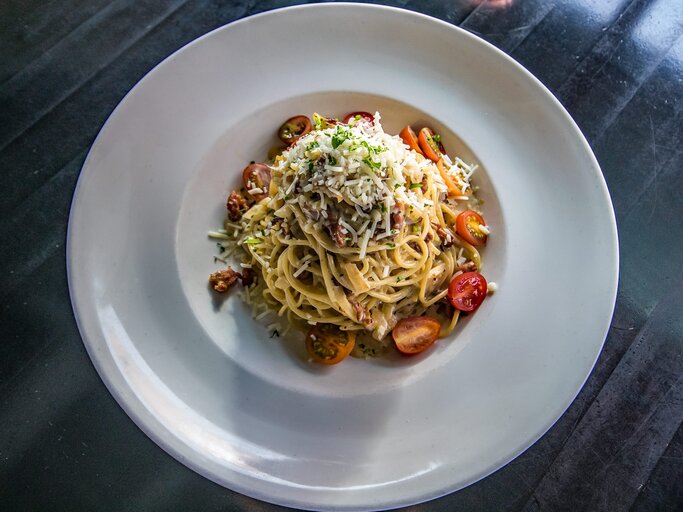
236,206
337,235
361,313
222,280
397,219
425,182
447,238
468,266
248,277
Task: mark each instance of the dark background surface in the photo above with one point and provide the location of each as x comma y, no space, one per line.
616,65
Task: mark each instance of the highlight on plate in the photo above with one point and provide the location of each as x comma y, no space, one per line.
359,238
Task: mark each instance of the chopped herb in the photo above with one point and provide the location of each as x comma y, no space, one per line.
332,160
383,207
220,247
312,145
372,164
275,334
252,240
399,279
416,228
372,150
436,138
310,166
415,185
263,232
340,136
357,117
391,245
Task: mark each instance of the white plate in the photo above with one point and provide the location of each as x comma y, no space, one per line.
208,385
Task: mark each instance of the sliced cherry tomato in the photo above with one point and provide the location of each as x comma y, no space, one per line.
327,344
293,129
468,225
430,144
415,334
358,115
453,189
256,176
467,291
409,137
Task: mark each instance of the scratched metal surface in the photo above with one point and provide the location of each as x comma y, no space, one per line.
617,65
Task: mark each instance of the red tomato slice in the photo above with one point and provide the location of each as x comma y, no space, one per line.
409,137
360,115
415,334
293,129
327,344
257,176
430,144
467,225
467,291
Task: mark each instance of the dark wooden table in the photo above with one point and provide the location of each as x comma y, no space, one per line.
617,66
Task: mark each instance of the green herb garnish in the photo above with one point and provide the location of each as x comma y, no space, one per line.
375,166
340,136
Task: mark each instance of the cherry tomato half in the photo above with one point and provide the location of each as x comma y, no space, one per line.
415,334
327,344
430,144
257,176
408,136
467,291
358,115
293,129
468,225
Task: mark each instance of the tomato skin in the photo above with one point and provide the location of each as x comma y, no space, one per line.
408,136
293,129
327,344
257,176
415,334
466,225
431,148
364,115
467,291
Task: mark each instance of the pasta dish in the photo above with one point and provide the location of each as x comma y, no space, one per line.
352,233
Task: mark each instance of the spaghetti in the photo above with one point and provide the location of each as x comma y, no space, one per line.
355,230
